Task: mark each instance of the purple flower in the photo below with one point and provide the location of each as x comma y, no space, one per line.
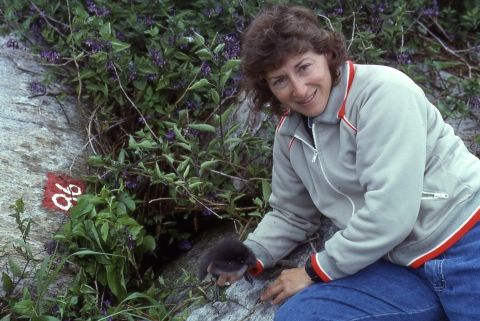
184,245
179,85
92,8
38,88
11,44
121,37
157,57
335,12
192,105
170,135
474,102
148,21
109,65
405,57
54,309
95,45
379,8
133,71
432,11
50,246
50,56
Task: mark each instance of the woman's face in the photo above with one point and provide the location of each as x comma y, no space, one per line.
302,83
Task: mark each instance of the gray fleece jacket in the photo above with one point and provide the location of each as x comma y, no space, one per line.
383,166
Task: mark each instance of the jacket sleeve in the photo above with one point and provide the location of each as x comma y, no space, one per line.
293,218
390,162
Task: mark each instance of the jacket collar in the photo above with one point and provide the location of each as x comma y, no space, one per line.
292,120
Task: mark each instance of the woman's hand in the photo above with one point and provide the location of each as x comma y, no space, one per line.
287,284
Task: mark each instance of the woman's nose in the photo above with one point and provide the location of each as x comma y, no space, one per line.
299,89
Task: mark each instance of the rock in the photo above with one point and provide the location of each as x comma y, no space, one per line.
37,136
242,298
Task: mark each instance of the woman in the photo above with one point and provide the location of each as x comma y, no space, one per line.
363,146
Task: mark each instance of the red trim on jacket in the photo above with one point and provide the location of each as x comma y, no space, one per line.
461,231
280,123
291,143
318,269
341,112
256,270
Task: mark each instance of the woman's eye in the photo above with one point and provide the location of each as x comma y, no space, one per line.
279,81
304,67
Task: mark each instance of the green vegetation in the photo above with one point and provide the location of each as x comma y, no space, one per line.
157,80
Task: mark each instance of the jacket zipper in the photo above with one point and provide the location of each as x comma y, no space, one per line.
433,195
314,159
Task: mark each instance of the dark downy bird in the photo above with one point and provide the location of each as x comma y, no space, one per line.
227,257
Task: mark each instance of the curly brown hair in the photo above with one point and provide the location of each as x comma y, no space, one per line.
277,33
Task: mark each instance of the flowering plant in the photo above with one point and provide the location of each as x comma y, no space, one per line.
158,82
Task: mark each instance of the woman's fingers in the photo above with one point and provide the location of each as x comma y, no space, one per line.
287,284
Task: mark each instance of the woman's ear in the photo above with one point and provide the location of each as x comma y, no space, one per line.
329,55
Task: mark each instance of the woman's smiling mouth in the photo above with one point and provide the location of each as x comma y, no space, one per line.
309,99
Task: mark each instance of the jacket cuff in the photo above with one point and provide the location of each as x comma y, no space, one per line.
261,254
256,270
325,267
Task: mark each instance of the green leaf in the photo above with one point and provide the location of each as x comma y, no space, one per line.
86,73
233,129
199,84
106,30
140,84
203,127
119,46
185,146
179,135
45,318
205,53
208,164
149,242
104,231
24,307
439,65
132,144
14,267
103,88
232,141
125,199
444,109
218,48
226,114
224,79
215,96
6,318
147,144
266,190
115,279
229,65
181,56
25,246
61,97
199,40
256,213
7,282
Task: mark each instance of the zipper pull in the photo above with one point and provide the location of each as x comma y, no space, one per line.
440,195
315,154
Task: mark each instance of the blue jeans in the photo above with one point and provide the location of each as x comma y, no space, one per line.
444,288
